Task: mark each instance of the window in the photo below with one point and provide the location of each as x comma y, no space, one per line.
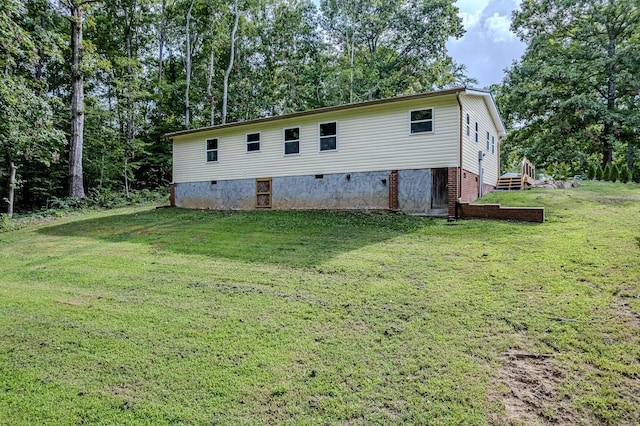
487,141
292,141
329,136
253,142
468,126
422,121
493,144
476,132
212,150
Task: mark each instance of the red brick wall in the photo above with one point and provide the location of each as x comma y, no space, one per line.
470,187
172,195
452,191
495,211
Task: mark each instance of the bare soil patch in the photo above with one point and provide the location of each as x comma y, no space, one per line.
527,386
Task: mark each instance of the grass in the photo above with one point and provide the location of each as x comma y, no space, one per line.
169,316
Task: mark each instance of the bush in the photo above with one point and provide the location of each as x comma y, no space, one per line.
635,175
591,171
5,222
615,173
606,174
599,173
625,174
558,171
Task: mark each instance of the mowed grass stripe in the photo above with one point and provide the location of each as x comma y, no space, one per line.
144,316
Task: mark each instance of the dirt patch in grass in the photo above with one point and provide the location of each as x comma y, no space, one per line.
527,386
623,309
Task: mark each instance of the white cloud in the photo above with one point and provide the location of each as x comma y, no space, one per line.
470,20
487,46
497,28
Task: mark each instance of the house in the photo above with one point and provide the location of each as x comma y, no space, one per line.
419,154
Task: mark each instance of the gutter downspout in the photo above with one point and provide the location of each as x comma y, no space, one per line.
460,131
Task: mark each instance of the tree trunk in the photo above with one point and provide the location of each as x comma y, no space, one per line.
225,92
163,24
187,111
76,186
609,125
12,187
210,95
130,103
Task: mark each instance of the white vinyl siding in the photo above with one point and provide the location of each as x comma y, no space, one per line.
476,107
371,138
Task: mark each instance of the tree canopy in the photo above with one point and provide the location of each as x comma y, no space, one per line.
88,87
574,94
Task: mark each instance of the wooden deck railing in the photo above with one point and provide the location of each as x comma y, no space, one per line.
527,173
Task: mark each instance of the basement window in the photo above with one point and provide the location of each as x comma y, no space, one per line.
253,142
329,136
212,150
292,141
422,121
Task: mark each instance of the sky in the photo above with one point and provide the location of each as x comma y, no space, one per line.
487,47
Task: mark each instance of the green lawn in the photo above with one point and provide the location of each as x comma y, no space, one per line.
169,316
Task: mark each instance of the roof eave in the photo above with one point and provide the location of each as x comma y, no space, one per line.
493,108
445,92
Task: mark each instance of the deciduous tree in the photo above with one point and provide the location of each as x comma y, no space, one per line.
575,91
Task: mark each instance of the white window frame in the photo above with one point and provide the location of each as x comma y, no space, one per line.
327,136
432,120
207,150
285,141
468,125
259,142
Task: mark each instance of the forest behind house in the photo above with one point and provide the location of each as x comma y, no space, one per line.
88,88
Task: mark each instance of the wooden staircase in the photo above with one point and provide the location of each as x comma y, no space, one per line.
509,183
517,182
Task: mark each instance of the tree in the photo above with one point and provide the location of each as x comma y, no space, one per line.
575,88
387,48
26,128
232,52
76,184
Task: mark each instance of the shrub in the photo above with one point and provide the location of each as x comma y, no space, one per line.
635,175
606,174
5,222
558,171
591,171
599,173
625,174
615,173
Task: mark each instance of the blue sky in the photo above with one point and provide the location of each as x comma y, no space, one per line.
488,46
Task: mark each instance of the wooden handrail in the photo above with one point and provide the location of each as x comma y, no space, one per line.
527,172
